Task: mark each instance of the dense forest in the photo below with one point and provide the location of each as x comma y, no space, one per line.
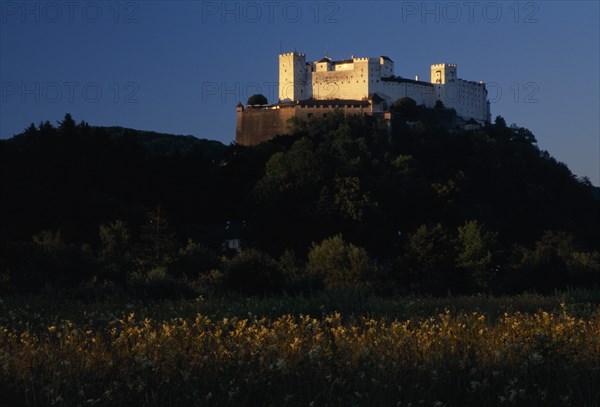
339,202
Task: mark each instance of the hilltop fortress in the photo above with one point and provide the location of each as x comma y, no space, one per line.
355,86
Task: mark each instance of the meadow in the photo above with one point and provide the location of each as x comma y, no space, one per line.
344,348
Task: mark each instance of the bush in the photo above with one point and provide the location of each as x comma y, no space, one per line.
555,262
427,265
195,260
297,280
157,284
339,263
253,272
25,267
114,256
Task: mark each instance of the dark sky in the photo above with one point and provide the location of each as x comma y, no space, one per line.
181,66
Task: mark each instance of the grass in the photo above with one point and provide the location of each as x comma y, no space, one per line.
339,348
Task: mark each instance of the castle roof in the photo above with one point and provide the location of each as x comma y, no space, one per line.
387,58
405,80
323,102
325,59
376,98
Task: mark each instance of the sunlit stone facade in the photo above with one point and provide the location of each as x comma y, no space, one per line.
355,86
361,78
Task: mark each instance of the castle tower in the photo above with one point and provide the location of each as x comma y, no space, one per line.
387,66
443,73
292,77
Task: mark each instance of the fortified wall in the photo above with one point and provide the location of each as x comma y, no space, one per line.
355,86
257,124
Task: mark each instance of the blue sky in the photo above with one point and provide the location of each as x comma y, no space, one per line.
181,66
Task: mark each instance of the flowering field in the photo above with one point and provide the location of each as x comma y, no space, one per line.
449,358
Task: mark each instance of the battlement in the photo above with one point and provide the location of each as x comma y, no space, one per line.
358,78
300,54
443,65
355,86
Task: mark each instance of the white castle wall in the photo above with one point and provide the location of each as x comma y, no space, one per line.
360,78
349,80
392,90
468,98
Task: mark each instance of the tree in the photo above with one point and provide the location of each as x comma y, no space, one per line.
294,171
474,254
339,263
114,240
157,245
257,99
439,104
545,268
407,107
286,198
49,241
195,260
114,249
522,135
31,130
404,164
46,128
351,202
68,124
428,263
65,264
405,103
584,268
500,122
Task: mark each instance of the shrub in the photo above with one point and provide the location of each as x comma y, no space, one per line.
157,284
195,260
253,272
555,262
297,280
339,263
114,252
